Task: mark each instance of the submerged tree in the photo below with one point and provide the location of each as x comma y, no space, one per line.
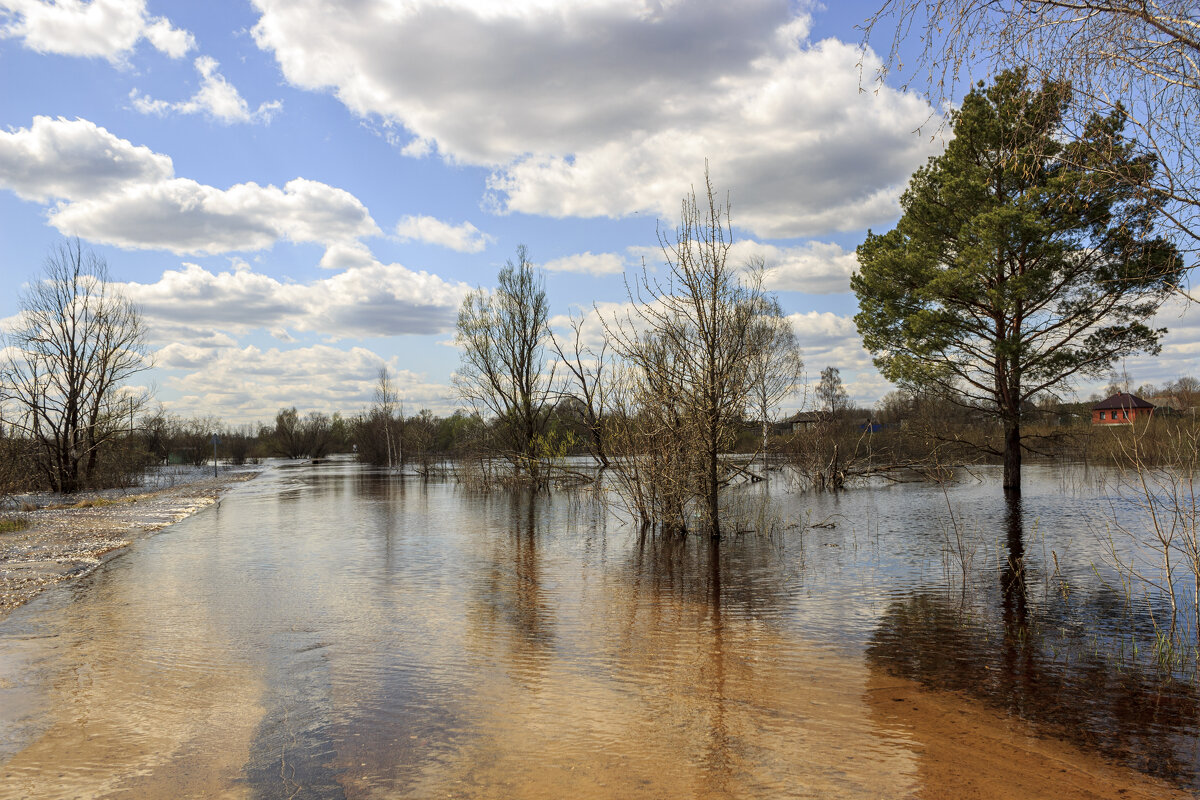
1015,267
504,372
775,364
76,341
590,374
689,343
378,432
287,437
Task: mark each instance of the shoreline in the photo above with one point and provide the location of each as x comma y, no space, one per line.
68,539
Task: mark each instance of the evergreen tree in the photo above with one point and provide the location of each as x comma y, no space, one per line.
1025,257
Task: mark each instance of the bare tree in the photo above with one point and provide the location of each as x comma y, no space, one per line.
76,342
587,366
648,432
384,414
504,372
1133,56
420,433
832,398
689,342
192,438
775,364
316,430
287,437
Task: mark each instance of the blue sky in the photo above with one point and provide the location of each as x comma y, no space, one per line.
297,191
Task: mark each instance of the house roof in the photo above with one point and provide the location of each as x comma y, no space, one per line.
1122,400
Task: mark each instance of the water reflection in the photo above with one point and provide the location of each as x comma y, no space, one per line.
341,632
509,609
1012,576
1075,693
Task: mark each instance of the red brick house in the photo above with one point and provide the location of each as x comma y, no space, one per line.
1121,409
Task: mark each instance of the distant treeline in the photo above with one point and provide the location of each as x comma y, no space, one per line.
902,432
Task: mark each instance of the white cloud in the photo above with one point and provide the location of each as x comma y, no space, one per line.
184,216
464,238
825,339
611,107
832,340
814,267
368,301
74,158
588,263
97,29
344,255
216,99
174,42
829,340
248,383
113,192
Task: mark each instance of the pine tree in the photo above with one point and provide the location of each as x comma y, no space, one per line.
1025,258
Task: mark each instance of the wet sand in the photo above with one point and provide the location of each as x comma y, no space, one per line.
70,536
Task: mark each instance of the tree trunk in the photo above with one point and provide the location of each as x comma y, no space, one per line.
1012,455
766,465
714,488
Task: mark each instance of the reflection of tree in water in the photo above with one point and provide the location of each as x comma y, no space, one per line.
697,587
377,484
509,598
759,578
1146,720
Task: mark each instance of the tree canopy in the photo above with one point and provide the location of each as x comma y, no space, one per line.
504,372
1016,267
76,341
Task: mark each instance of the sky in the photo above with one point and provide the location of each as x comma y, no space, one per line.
297,192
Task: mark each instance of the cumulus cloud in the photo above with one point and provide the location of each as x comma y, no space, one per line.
464,238
611,107
832,340
184,216
74,158
825,339
588,263
97,29
344,255
217,99
113,192
813,267
368,301
829,339
248,383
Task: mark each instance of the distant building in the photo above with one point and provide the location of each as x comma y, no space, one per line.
1121,409
803,420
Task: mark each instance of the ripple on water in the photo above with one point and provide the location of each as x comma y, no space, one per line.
334,631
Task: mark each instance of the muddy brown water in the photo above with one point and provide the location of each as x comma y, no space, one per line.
331,631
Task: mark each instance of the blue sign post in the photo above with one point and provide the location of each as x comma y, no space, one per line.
216,441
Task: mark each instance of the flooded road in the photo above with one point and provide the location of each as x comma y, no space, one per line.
335,632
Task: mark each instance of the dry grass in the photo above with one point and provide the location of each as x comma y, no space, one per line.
96,502
13,524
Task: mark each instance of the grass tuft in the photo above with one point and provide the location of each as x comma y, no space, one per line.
13,524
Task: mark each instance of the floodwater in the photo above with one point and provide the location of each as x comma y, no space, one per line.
330,631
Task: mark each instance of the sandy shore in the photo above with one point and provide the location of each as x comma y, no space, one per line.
68,537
